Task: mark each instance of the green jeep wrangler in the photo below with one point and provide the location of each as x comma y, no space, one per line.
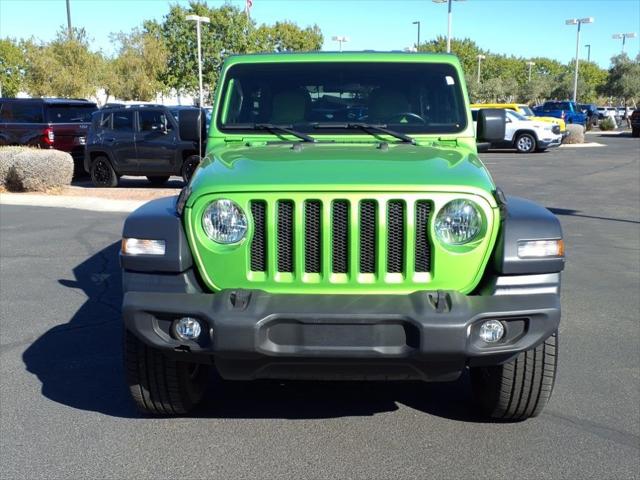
342,227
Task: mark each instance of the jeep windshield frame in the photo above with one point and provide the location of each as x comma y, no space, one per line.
410,98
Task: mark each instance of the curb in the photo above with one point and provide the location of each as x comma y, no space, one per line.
94,204
582,145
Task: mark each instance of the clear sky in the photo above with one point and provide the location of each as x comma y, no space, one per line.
526,28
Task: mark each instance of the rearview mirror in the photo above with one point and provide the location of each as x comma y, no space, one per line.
192,125
491,125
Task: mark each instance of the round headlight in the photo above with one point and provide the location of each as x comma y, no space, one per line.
458,222
224,222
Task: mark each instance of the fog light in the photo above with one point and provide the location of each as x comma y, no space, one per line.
491,331
188,328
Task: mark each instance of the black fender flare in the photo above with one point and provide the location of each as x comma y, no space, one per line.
525,220
158,220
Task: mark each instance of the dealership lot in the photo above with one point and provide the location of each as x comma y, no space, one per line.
65,411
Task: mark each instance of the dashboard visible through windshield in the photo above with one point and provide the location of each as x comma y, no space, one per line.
328,97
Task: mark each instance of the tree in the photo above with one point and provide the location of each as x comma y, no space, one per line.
623,81
12,65
64,67
287,37
137,70
230,31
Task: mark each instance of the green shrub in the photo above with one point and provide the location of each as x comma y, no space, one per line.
25,169
576,134
608,124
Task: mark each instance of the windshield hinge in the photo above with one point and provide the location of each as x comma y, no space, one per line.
447,142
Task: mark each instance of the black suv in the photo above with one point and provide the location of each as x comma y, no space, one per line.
60,123
141,140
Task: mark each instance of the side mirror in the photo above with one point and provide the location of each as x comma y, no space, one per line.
192,125
491,125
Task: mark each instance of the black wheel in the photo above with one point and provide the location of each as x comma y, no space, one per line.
518,389
160,385
189,166
102,173
635,132
525,143
158,180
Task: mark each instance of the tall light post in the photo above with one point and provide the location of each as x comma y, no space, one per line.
579,22
448,20
69,31
417,23
340,39
530,64
588,47
199,20
480,58
623,36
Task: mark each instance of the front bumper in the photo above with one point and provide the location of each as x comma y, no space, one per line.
426,335
550,142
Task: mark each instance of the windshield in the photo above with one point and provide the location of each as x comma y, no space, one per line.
70,113
515,115
526,111
406,97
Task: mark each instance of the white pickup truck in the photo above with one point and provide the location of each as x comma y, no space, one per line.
526,135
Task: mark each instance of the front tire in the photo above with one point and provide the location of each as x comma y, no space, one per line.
102,173
635,132
160,385
519,389
189,166
525,143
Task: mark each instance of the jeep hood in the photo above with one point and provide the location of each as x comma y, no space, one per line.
340,167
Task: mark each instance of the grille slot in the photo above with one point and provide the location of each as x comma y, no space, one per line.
285,236
313,236
340,232
368,216
362,235
259,241
395,236
423,247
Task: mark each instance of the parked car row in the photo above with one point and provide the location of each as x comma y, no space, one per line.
142,140
525,134
107,143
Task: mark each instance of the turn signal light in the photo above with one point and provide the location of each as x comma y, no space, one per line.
140,246
540,248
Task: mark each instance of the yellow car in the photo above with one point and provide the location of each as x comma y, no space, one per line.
524,109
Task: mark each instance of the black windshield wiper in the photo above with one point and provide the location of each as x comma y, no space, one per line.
273,128
369,128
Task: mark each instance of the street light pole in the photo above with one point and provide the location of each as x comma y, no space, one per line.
480,58
588,47
198,19
579,22
623,36
340,39
530,64
417,23
69,31
448,21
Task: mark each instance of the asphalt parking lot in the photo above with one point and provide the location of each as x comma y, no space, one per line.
65,411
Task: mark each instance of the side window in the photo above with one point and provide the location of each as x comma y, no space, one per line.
22,113
123,121
153,121
5,112
106,120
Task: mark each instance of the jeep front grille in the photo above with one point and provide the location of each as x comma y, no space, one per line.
363,236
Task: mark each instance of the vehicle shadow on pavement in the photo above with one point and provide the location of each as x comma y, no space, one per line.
298,400
79,364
